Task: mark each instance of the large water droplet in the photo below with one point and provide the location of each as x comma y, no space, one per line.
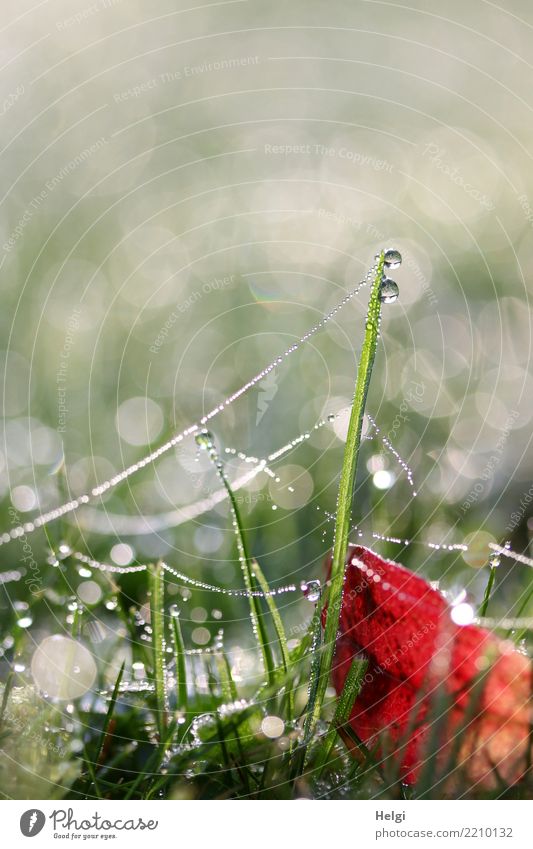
388,292
393,258
311,590
63,668
204,439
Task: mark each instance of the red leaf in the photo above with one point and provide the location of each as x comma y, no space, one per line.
417,655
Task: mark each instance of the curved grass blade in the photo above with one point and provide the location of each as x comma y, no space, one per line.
109,716
205,440
278,627
299,758
347,478
227,684
181,672
350,691
157,591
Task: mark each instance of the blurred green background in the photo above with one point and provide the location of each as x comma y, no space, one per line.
187,188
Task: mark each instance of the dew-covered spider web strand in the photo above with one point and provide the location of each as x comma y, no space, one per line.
436,546
99,522
504,551
74,504
103,523
202,585
185,579
387,443
518,623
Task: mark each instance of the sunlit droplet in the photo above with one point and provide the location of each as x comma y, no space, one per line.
388,291
393,258
463,614
204,440
311,590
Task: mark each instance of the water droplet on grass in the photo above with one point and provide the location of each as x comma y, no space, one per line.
204,440
393,258
388,291
311,590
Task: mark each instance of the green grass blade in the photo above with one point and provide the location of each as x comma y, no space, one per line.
316,650
350,691
181,671
488,591
157,623
109,716
205,441
299,757
278,627
347,478
154,762
227,684
256,614
5,697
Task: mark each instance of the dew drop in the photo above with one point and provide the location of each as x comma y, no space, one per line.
311,590
393,258
174,610
388,292
204,439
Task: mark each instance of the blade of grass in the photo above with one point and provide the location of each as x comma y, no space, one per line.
314,674
227,684
350,691
109,715
92,773
278,627
154,762
299,757
157,619
181,672
488,592
10,680
346,483
514,635
205,441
